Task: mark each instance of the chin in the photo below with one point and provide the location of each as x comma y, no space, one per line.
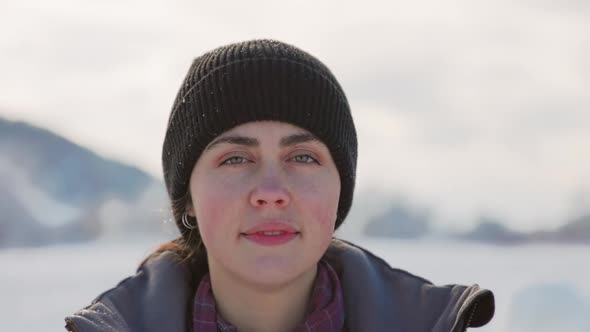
274,271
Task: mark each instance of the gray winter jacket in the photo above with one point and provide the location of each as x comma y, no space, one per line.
377,298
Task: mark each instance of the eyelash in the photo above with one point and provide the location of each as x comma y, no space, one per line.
312,159
227,161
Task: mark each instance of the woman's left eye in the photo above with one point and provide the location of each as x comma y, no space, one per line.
305,158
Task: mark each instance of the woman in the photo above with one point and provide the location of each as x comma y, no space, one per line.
259,162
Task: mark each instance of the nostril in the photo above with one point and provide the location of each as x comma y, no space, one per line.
263,200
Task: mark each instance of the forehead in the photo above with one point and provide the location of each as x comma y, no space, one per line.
254,133
263,127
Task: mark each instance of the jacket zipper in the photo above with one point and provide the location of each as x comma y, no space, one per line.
471,315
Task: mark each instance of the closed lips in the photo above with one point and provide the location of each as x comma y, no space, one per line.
270,233
271,229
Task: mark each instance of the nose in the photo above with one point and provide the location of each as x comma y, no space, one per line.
270,193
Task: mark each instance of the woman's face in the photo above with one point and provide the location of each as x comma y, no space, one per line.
265,195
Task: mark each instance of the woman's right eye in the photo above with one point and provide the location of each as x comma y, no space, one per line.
234,160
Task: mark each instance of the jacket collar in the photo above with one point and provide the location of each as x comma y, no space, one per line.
380,298
376,298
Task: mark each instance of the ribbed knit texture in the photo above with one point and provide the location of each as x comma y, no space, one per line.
253,81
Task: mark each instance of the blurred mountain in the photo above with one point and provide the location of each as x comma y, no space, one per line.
399,221
65,170
493,231
576,230
16,224
54,190
402,221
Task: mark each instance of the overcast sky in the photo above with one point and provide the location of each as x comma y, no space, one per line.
468,107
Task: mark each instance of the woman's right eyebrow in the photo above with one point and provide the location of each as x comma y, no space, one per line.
239,140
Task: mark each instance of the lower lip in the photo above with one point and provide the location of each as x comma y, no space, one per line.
271,240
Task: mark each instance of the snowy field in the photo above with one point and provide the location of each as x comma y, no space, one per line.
537,288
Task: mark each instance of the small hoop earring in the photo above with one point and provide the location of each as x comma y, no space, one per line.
186,223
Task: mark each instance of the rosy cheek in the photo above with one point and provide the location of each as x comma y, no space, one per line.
218,205
321,197
324,219
209,206
324,215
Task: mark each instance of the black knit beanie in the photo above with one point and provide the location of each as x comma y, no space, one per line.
254,81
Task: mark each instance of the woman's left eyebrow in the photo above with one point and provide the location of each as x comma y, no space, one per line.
297,139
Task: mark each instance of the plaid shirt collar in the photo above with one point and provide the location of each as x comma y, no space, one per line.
326,310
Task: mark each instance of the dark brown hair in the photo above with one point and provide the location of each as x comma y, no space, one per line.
188,249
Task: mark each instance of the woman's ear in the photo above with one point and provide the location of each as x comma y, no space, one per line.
190,210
